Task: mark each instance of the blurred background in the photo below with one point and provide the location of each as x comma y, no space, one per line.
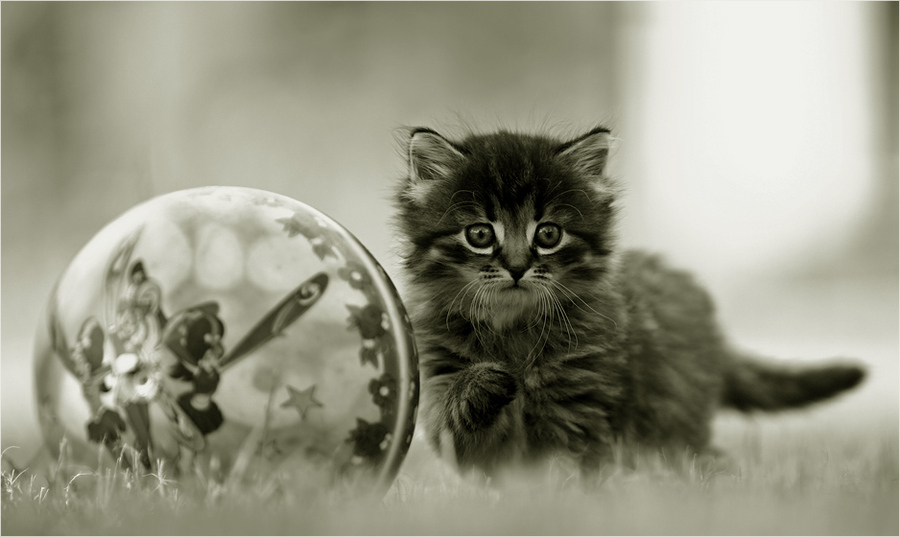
758,142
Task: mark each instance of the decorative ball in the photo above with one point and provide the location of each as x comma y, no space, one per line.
214,325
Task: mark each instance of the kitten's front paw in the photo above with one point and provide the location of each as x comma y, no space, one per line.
480,393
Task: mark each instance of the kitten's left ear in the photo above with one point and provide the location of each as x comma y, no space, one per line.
588,154
431,156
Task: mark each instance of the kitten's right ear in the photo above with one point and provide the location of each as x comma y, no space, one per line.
431,157
589,153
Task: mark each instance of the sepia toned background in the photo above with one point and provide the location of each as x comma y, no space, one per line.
757,142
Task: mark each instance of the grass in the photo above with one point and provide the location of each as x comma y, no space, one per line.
781,476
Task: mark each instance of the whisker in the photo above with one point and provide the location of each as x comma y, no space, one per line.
488,301
567,323
569,328
473,305
473,201
450,306
572,295
550,314
577,210
477,311
538,316
457,205
545,312
568,191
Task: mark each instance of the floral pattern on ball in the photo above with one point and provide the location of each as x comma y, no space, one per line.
373,324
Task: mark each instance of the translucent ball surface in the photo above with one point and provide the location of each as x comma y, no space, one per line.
218,323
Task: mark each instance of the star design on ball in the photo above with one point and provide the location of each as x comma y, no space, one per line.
302,400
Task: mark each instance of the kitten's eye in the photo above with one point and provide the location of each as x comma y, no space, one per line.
547,235
480,235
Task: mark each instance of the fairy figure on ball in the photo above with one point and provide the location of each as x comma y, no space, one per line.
126,359
117,360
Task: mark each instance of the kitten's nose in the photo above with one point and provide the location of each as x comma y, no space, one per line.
517,273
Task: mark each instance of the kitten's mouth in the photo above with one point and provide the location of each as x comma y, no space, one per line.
514,295
509,306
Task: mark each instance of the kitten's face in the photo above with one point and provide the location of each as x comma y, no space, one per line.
505,228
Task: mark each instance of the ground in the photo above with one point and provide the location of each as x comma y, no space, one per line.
797,475
829,469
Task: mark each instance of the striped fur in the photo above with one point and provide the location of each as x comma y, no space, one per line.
531,350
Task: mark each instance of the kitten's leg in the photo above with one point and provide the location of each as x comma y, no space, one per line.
478,395
470,403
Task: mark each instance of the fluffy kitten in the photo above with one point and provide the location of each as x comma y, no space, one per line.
537,336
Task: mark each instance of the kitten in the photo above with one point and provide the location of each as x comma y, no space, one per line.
538,337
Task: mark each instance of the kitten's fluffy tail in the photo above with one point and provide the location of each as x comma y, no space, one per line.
753,384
